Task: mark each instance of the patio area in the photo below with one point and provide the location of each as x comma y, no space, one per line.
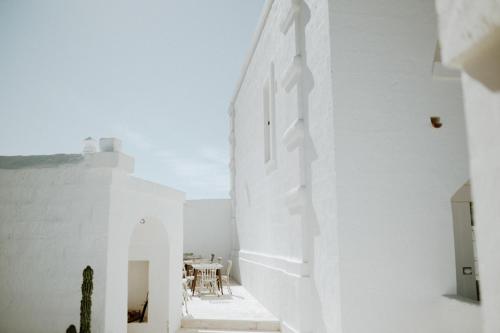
239,311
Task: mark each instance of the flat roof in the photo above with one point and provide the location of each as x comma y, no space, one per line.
39,161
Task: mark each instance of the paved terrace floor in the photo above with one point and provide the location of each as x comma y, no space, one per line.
239,311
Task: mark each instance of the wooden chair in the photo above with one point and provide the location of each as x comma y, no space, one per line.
189,278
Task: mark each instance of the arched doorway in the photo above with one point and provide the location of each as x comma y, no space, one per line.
148,277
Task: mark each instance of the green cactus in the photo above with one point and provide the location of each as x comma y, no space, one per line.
86,302
71,329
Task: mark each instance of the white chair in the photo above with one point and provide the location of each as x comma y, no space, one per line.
208,280
225,278
185,295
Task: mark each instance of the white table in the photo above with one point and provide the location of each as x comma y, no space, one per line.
210,265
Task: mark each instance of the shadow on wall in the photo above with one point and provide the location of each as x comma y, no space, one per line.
310,220
235,272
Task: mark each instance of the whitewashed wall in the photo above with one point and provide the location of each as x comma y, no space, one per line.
149,241
160,242
280,206
60,213
483,123
53,224
459,315
395,173
351,229
207,227
470,39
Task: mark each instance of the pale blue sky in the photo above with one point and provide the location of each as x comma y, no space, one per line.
157,74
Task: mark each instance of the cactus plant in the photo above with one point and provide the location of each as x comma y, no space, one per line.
86,302
71,329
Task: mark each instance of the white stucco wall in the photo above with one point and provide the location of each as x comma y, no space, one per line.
149,241
469,35
460,315
53,224
61,213
277,251
396,173
483,123
207,228
133,199
371,247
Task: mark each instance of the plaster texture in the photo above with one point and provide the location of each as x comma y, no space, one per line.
469,35
53,225
461,315
350,228
280,208
207,228
484,141
239,311
60,213
396,174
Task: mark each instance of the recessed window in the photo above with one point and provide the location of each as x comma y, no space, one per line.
267,124
269,118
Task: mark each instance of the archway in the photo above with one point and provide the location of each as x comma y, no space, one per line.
148,277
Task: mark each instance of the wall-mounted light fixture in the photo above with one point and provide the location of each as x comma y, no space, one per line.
436,122
142,221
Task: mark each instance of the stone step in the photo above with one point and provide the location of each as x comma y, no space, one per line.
203,330
231,325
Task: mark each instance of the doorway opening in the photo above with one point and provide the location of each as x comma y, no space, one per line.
149,293
465,244
138,291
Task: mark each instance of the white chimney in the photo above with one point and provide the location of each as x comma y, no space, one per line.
110,145
89,145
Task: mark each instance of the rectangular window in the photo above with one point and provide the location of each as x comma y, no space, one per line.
267,124
269,120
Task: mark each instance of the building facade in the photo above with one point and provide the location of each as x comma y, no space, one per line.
60,213
470,39
348,146
207,228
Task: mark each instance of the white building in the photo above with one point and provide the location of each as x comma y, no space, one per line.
352,205
60,213
348,147
207,228
470,39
